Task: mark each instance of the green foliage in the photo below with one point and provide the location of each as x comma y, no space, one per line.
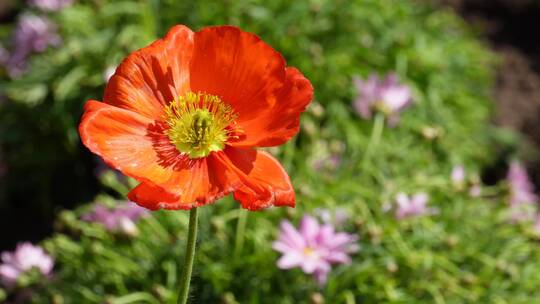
464,254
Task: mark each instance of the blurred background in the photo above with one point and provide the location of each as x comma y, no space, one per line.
465,140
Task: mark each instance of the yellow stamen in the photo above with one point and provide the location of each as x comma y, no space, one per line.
199,124
308,251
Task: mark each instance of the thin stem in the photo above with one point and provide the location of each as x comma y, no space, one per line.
190,255
376,133
240,231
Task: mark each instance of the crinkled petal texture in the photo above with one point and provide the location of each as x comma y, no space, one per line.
129,128
252,77
264,181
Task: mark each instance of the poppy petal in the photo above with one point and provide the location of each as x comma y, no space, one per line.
204,182
264,181
150,196
238,67
280,123
123,139
153,76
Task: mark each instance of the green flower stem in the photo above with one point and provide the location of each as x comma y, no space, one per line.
190,255
376,133
240,231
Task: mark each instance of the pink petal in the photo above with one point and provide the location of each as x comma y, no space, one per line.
402,199
338,257
282,247
309,228
290,260
458,174
291,236
7,257
420,198
321,276
396,98
9,274
310,263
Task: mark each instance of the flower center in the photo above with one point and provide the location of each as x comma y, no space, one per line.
308,251
382,107
199,124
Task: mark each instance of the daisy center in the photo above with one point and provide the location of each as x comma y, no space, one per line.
199,124
308,251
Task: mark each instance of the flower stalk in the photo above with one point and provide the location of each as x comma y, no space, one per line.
240,231
376,133
188,260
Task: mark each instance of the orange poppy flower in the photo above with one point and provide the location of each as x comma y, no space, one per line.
184,115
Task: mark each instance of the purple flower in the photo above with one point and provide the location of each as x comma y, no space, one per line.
412,206
458,175
337,217
33,34
329,162
521,197
313,248
121,218
521,188
50,5
475,190
384,95
25,257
